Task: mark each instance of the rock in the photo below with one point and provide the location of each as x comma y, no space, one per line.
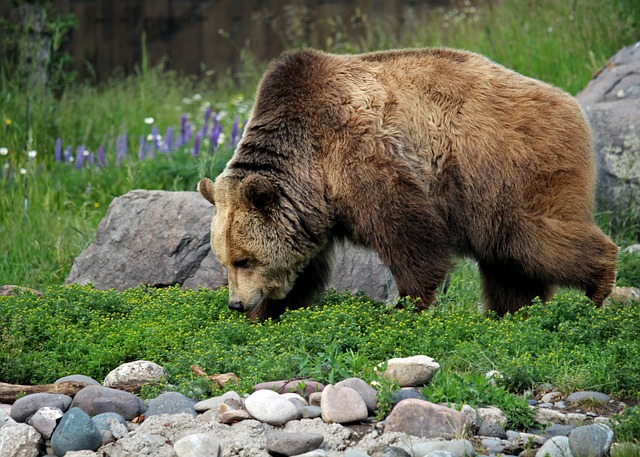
551,397
77,378
410,371
440,454
492,414
390,451
426,420
95,400
588,396
624,294
27,406
45,420
367,392
139,372
75,432
233,415
303,387
558,446
170,403
407,392
9,290
492,429
341,405
231,398
493,446
311,412
291,396
170,230
20,440
558,430
197,445
5,418
544,415
268,406
314,453
355,453
315,399
287,443
112,423
610,101
591,440
457,448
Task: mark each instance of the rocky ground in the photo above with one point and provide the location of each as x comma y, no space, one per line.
289,418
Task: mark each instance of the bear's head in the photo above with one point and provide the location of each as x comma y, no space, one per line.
258,235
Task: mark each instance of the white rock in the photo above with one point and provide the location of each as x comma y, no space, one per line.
197,445
295,396
543,416
410,371
140,371
367,392
20,440
45,420
492,414
269,406
558,446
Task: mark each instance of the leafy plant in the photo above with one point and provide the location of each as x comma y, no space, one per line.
626,426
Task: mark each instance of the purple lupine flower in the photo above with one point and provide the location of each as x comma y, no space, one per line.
183,129
67,154
235,130
79,157
142,149
167,145
121,148
156,137
58,150
207,115
214,136
196,144
89,156
102,160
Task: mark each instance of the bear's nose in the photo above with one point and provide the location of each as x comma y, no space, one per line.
236,305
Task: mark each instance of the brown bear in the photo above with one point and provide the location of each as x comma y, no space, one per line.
421,155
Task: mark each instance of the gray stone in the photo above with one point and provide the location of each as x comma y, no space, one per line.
170,403
304,387
197,445
19,440
407,392
27,406
367,392
390,451
610,101
440,454
590,440
311,412
492,414
492,429
425,419
355,453
268,406
588,396
45,420
545,415
558,446
314,453
341,405
558,430
493,446
75,432
231,398
141,228
5,419
112,423
410,371
287,443
457,448
77,378
137,372
95,400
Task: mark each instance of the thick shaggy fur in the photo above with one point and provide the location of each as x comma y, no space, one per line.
422,156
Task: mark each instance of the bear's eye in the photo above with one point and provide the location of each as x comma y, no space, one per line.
242,263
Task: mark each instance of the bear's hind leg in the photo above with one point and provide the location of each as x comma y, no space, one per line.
504,290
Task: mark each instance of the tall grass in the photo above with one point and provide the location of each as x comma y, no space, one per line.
49,211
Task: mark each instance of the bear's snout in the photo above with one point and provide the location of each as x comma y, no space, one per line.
236,305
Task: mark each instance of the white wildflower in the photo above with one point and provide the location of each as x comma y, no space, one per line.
32,154
86,153
4,151
150,137
197,97
221,138
23,171
149,120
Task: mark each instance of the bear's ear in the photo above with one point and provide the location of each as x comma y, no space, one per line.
207,189
259,191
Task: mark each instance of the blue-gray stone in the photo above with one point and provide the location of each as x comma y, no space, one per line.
439,454
591,440
75,432
27,406
311,412
102,420
558,446
458,448
287,443
171,403
394,451
405,393
558,430
588,395
95,400
78,378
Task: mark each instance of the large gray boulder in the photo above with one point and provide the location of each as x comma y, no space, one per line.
162,238
612,104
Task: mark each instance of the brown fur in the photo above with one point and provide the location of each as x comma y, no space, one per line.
422,156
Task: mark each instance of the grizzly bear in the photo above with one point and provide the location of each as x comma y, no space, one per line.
421,155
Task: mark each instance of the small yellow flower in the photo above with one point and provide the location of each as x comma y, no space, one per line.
8,121
96,205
